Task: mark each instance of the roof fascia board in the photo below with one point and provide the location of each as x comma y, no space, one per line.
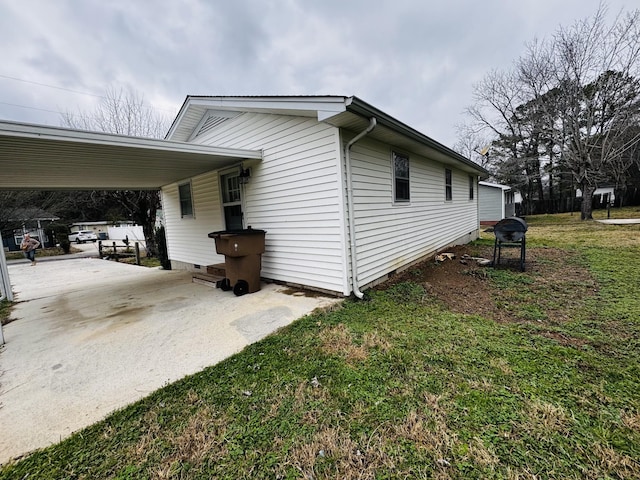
359,107
24,130
494,185
275,103
321,107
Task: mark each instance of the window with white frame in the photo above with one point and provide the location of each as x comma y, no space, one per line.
232,201
186,200
401,177
472,182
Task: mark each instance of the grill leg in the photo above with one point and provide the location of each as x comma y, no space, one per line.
495,247
523,249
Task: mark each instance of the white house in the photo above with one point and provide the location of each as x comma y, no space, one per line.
496,201
346,193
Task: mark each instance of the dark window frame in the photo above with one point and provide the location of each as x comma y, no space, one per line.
448,185
472,182
401,177
185,197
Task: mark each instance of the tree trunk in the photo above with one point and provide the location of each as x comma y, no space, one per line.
587,196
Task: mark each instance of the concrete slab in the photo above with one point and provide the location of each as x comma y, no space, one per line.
620,221
92,336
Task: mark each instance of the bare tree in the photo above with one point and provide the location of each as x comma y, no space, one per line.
122,113
572,104
596,70
474,145
126,113
503,110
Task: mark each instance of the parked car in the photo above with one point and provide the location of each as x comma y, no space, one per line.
83,236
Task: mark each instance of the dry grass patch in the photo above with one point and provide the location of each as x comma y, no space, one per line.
631,420
331,453
545,418
427,429
372,340
481,454
200,439
483,385
612,461
502,365
339,341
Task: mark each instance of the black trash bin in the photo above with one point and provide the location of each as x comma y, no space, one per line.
242,250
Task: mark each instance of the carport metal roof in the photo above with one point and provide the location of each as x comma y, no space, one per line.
49,158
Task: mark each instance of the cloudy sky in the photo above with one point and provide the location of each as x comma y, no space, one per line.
416,60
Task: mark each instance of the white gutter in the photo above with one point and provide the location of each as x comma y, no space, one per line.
352,223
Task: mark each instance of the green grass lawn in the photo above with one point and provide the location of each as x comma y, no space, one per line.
398,386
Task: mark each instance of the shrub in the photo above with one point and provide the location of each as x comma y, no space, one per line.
61,235
161,242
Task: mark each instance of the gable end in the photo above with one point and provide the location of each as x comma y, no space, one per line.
212,119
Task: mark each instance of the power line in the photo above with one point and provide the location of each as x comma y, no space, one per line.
64,89
31,108
51,86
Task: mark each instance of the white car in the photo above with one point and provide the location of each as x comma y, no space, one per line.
83,236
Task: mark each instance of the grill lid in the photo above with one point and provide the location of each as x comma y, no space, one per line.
511,229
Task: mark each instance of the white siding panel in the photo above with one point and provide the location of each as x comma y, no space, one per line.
187,238
490,203
294,194
392,235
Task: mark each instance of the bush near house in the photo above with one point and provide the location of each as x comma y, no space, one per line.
61,234
447,371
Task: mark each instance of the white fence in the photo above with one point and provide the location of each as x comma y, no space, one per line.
133,233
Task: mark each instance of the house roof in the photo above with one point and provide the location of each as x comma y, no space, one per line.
43,157
349,113
495,185
31,213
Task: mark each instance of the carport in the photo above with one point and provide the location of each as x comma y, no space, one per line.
41,157
90,335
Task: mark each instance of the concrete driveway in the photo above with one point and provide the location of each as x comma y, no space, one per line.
92,336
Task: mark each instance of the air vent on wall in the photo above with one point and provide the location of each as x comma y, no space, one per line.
212,119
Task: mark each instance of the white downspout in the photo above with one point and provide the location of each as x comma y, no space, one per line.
352,223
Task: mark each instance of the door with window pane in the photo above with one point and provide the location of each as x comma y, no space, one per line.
232,201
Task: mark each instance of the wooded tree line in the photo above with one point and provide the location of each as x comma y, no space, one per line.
566,116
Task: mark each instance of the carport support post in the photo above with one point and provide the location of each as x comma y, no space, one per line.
5,284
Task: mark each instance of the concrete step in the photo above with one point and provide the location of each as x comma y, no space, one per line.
206,279
217,269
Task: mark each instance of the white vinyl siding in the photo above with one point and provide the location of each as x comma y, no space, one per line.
293,193
491,203
390,236
187,239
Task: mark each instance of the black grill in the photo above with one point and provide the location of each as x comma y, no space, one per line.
510,232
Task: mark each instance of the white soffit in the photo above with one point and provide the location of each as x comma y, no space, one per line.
43,157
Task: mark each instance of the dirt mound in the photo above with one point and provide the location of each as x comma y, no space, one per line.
551,285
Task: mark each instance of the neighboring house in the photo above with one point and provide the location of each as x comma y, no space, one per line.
496,202
111,230
601,196
347,194
28,220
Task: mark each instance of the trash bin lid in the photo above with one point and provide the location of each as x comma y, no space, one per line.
242,231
